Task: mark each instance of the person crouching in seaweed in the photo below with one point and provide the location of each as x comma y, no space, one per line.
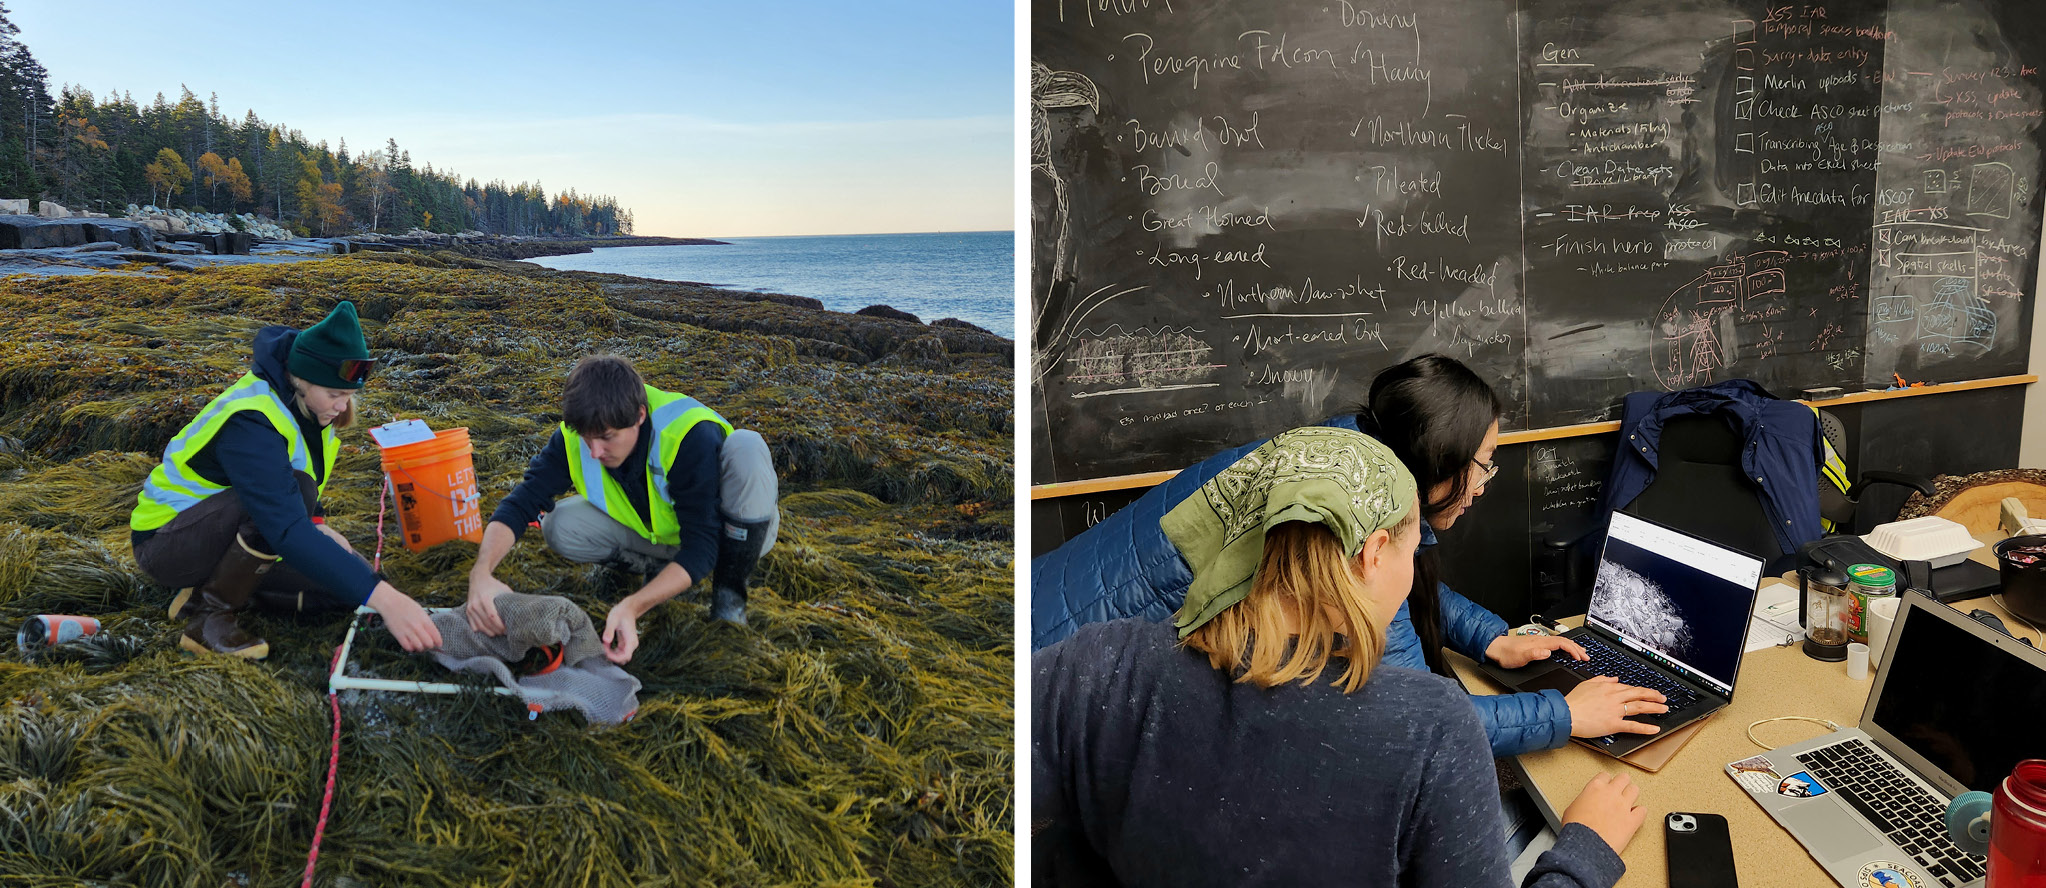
233,515
665,487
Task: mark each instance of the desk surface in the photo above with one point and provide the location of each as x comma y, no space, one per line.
1773,681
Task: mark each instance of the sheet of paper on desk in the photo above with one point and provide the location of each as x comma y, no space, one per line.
1775,620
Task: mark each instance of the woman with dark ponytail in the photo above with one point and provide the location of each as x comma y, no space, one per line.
1442,421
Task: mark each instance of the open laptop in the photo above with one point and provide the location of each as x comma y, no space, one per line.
1668,611
1955,706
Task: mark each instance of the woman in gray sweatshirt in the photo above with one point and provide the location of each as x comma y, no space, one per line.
1215,751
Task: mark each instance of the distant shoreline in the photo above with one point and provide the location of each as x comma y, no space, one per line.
513,248
1008,231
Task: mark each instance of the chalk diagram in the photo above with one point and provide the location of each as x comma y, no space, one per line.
1689,338
1111,360
1118,362
1054,91
1935,293
1989,189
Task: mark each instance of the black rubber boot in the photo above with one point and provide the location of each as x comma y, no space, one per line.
210,625
738,553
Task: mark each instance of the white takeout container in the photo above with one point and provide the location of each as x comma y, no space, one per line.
1930,538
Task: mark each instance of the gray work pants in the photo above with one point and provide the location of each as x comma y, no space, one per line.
747,491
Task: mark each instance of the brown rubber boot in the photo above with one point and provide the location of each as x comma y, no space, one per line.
178,602
210,612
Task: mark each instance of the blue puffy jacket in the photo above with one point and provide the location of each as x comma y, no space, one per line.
1126,567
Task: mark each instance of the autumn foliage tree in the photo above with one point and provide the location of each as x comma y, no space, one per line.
167,173
211,171
214,173
319,201
239,189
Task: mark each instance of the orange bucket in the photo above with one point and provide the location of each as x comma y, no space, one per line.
436,486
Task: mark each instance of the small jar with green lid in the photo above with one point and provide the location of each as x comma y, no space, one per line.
1866,583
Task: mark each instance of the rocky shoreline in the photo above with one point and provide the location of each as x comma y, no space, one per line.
49,237
124,247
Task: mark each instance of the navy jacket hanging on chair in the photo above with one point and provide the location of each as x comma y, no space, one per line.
1779,456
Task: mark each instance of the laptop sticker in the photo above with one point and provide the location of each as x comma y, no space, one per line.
1800,785
1755,775
1888,874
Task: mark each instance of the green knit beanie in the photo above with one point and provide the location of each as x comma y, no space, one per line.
317,353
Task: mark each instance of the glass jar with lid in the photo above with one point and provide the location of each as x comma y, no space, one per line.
1866,583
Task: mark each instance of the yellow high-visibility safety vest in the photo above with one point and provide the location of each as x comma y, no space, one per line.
173,487
673,416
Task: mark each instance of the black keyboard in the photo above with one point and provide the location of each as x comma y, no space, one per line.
1606,661
1896,804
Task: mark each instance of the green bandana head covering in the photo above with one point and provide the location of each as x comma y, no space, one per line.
1340,479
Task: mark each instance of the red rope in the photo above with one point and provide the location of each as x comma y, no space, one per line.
334,702
327,801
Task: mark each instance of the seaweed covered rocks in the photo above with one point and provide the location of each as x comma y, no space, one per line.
857,733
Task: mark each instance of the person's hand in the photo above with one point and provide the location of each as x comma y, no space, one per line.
481,608
336,536
1606,805
1601,704
407,621
621,632
1515,651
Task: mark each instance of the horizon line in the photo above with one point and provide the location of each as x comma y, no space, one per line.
831,234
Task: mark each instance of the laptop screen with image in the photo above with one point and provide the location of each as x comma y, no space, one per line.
1962,703
1680,600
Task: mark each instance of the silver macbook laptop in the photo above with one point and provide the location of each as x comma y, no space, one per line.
1668,611
1955,706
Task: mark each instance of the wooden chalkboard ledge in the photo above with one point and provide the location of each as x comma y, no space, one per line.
1151,479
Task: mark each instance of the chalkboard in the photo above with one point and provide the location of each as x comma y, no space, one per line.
1243,212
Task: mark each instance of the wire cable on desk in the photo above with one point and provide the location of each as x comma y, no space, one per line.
1998,598
1830,726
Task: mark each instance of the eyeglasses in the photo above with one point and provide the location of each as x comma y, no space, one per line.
1491,470
356,370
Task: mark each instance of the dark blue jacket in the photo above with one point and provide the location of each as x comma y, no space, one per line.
1782,451
1126,567
692,484
249,456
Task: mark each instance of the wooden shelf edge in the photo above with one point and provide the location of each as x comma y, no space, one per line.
1097,485
1525,436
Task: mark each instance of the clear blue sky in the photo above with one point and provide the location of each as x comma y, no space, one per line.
704,118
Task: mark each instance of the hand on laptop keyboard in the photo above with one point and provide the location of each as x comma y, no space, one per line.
1601,706
1604,660
1515,651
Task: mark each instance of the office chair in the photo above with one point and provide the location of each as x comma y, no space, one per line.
1840,509
1701,489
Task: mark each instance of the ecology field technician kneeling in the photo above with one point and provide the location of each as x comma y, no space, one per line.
233,513
664,487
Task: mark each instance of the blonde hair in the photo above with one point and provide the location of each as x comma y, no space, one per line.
347,417
1303,570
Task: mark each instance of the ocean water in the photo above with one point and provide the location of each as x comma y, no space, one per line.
966,275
